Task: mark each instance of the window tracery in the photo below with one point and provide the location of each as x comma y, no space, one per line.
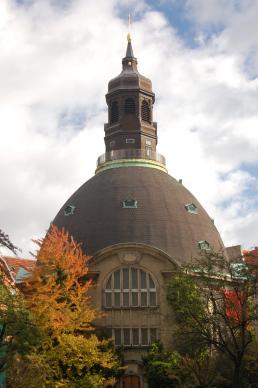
133,336
130,288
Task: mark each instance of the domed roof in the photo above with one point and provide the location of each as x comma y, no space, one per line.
160,218
130,78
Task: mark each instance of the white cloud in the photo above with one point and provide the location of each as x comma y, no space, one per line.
55,65
209,12
236,22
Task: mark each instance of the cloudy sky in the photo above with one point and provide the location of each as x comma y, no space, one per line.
56,57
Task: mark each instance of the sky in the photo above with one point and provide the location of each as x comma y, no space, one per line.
56,58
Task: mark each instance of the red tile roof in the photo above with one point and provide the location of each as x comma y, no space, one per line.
15,263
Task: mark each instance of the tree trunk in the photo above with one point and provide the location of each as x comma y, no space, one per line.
237,375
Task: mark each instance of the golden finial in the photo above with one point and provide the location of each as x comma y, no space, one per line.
129,28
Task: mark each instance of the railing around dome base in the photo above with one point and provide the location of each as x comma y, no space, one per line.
130,154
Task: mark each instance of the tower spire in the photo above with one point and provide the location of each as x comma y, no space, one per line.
129,50
130,128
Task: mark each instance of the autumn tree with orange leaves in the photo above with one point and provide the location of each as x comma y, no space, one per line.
69,353
58,290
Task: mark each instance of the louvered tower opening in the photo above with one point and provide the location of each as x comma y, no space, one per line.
114,112
145,112
129,105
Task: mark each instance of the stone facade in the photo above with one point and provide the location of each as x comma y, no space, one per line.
159,317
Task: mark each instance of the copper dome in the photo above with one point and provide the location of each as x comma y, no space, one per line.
160,220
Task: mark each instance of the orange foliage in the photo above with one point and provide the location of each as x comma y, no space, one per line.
236,309
57,290
251,260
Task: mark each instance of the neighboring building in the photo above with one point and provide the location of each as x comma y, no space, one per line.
137,222
19,268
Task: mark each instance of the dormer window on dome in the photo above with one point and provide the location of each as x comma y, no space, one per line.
191,208
69,210
130,204
204,245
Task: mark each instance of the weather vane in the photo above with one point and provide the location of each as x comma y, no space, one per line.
129,28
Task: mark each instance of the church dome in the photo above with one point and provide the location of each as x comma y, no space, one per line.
132,199
138,205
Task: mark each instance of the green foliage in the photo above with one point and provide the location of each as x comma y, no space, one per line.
73,362
18,334
167,369
158,365
178,369
189,309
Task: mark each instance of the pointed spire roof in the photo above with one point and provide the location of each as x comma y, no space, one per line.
129,61
129,50
129,77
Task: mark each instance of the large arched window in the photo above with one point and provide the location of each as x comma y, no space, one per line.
114,112
128,288
129,105
145,112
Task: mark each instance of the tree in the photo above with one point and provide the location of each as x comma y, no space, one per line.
213,303
59,285
17,333
69,353
164,368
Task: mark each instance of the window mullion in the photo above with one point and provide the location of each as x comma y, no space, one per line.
130,287
138,287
